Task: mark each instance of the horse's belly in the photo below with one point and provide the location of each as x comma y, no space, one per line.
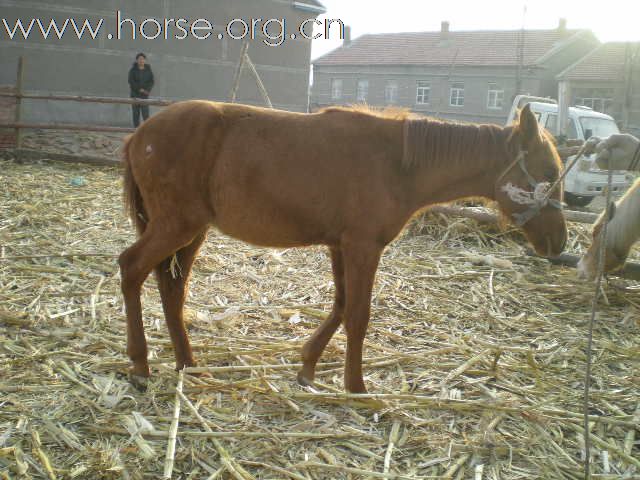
258,205
267,232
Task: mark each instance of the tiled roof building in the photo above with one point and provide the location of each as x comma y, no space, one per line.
463,75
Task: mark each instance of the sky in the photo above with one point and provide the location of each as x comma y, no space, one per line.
610,20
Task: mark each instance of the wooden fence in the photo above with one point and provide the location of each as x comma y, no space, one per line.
12,126
11,111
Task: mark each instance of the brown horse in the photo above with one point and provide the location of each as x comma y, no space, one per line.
346,178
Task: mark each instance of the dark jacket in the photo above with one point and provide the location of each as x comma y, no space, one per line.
140,79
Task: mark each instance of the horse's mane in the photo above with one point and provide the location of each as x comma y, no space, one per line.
390,112
430,142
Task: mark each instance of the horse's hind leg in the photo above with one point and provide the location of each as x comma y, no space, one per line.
159,241
314,347
172,283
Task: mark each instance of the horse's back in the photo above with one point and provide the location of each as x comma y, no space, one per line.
266,176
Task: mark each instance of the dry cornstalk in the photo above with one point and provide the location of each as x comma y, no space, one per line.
173,429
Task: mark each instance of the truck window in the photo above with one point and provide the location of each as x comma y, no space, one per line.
552,122
599,127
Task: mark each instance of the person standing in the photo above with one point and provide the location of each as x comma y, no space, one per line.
141,82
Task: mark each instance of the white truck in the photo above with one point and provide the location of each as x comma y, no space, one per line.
585,181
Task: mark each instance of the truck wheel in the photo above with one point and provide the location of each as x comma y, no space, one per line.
577,200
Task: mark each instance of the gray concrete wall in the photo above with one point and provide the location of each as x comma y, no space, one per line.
183,69
476,81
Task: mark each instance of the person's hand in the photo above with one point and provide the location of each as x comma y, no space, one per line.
591,145
617,151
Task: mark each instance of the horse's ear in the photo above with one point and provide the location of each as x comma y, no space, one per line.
528,127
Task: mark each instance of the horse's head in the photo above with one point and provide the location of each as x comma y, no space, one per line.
614,258
522,190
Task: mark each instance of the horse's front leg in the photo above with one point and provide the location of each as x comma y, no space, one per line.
361,262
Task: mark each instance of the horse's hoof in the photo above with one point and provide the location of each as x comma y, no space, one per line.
139,382
139,377
356,387
304,381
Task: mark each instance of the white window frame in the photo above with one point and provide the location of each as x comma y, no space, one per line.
456,93
362,90
336,88
391,89
423,92
592,102
495,97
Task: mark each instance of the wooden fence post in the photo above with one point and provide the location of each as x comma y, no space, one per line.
238,73
261,87
18,114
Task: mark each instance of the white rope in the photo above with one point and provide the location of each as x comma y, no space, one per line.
573,162
525,197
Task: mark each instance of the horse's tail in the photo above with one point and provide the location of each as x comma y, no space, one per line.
131,194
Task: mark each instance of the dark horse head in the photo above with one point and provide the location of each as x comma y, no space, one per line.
523,189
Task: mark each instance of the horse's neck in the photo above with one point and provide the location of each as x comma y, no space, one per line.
453,161
624,229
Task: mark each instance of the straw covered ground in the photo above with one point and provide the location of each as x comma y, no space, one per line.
475,355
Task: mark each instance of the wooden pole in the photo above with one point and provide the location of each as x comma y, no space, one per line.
261,87
18,113
238,73
85,99
564,101
67,126
631,270
485,216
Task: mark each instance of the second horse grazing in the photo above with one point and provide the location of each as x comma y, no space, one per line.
347,178
622,232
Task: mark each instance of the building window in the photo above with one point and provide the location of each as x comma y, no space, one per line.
599,99
495,97
422,93
456,97
336,89
362,91
598,104
391,92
